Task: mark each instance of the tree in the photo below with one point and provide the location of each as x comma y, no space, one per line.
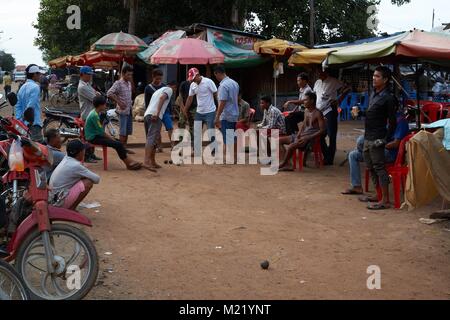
133,6
335,20
7,61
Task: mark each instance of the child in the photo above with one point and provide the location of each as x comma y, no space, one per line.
95,134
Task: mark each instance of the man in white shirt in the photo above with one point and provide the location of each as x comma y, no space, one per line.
297,115
153,121
327,88
206,92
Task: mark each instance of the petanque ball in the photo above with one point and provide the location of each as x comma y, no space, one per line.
265,265
166,161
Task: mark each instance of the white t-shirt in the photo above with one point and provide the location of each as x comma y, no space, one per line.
205,95
152,107
303,91
326,91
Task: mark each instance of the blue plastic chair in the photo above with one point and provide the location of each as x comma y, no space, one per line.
345,107
364,104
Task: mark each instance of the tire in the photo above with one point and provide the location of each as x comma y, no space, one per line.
8,272
57,100
31,242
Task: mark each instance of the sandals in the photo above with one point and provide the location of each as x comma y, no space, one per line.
352,192
134,167
368,199
378,206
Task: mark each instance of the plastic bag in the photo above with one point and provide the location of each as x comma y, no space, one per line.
15,159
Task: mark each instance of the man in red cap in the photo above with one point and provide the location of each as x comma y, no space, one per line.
206,92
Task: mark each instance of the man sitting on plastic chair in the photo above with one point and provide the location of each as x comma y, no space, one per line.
356,157
312,127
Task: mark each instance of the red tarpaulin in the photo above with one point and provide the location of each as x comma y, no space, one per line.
428,45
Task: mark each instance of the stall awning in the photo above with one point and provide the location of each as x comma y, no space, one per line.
167,37
237,48
277,47
412,45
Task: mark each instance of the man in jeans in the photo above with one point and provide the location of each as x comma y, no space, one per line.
205,90
28,97
228,112
381,111
121,94
327,88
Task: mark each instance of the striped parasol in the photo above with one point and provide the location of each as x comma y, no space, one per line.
124,43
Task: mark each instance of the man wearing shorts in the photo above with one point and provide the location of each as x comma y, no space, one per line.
121,94
71,182
153,122
150,89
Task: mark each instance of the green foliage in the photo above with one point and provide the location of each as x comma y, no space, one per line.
337,20
7,61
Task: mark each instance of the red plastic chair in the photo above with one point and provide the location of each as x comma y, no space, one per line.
431,112
398,171
299,155
81,124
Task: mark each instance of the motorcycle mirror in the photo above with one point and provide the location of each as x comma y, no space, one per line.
12,98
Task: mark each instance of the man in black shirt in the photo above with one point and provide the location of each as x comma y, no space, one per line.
379,126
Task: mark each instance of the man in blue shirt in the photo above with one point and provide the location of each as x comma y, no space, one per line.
29,97
355,157
227,114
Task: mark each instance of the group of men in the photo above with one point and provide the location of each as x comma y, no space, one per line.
202,102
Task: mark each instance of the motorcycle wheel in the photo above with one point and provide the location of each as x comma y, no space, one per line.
56,124
12,286
75,272
57,100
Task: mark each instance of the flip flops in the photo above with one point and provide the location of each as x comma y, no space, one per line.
352,192
378,206
368,199
134,167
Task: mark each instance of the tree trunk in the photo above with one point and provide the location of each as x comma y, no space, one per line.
133,14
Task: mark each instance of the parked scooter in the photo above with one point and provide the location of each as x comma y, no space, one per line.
57,261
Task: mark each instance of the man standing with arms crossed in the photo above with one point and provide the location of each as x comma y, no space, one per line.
121,94
86,95
380,125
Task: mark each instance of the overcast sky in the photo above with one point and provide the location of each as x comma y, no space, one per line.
16,17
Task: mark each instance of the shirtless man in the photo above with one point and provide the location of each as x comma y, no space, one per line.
312,127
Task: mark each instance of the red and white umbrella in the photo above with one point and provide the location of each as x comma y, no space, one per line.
188,51
121,42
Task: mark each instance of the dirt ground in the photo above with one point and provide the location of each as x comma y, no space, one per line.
200,232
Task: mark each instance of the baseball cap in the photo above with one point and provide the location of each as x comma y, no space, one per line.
193,72
86,70
34,69
74,147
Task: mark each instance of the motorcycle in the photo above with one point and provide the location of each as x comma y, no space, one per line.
12,286
57,261
70,125
65,96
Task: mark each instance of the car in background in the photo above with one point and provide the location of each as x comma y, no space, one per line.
20,76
